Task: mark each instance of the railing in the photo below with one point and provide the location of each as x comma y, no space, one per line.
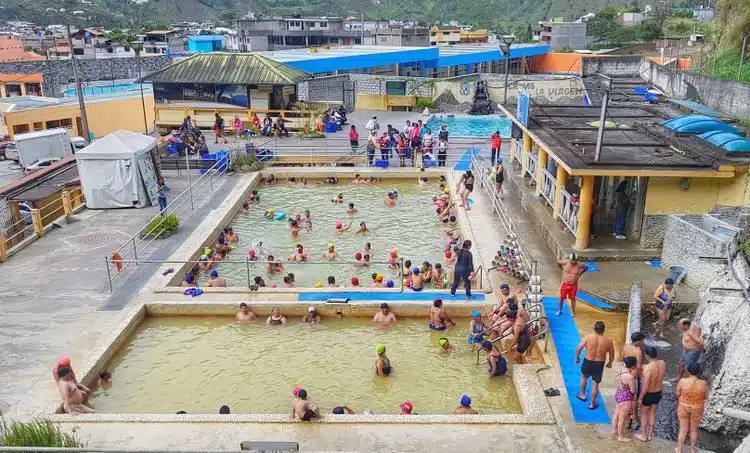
34,224
548,187
568,211
531,163
128,253
516,149
482,172
540,322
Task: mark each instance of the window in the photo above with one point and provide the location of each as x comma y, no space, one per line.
65,122
383,38
87,40
77,51
20,128
323,24
395,88
39,126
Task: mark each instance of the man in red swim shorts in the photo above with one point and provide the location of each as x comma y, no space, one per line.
572,269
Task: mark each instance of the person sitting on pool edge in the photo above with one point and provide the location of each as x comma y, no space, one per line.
230,235
439,319
189,282
417,281
215,281
276,318
496,363
302,408
382,363
244,315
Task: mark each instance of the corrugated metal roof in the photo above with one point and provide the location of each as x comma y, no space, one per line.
228,68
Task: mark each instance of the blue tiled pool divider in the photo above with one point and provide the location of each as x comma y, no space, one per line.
654,263
591,267
406,295
594,301
566,338
464,162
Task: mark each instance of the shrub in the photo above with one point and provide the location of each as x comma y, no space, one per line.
36,433
161,226
423,103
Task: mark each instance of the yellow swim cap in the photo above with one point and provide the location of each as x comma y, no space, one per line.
207,251
318,284
380,276
380,349
446,190
443,341
330,245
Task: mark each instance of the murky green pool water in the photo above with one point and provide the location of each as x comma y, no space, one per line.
198,364
412,227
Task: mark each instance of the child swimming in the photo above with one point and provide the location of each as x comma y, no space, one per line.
272,266
340,228
339,199
330,253
294,227
393,259
308,220
362,228
352,209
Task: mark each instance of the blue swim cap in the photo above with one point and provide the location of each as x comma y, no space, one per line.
486,344
389,284
476,314
189,278
214,274
415,271
465,400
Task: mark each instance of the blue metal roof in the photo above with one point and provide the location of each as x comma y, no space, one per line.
199,38
697,124
700,108
727,140
455,56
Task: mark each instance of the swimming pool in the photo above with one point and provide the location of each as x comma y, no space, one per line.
197,364
94,90
412,228
471,126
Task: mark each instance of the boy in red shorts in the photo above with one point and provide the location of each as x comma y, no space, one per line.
572,269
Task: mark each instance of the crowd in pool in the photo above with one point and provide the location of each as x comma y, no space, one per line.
457,267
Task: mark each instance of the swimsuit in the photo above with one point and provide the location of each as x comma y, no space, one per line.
652,398
593,369
387,367
417,289
667,304
275,321
501,368
524,341
439,326
623,393
309,415
568,291
477,336
688,357
691,398
499,177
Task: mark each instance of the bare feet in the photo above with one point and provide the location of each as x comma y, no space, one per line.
558,313
624,439
641,437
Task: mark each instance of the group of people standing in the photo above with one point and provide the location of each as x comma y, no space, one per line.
414,141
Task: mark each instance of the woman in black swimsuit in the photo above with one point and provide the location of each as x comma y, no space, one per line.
499,178
276,317
468,182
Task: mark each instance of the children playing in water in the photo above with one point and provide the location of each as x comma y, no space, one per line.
330,253
351,210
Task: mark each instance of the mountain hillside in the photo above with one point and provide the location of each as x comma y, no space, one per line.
122,13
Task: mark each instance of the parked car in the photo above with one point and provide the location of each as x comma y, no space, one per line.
39,164
11,151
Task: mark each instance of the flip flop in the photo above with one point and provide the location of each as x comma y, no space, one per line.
168,271
593,406
552,392
579,397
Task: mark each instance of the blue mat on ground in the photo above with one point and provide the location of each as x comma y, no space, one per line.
591,267
594,301
566,338
654,263
464,162
406,295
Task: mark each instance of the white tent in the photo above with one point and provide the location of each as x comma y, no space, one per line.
117,171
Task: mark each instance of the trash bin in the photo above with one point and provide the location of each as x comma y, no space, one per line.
677,273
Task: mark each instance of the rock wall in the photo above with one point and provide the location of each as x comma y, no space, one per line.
613,66
333,89
59,73
724,316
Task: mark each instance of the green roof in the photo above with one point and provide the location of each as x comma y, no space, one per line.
228,68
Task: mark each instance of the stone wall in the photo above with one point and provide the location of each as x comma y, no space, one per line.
724,315
59,73
652,230
617,66
685,241
375,84
332,89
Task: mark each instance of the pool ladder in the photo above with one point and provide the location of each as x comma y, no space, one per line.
541,323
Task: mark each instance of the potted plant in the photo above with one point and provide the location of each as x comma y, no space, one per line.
161,227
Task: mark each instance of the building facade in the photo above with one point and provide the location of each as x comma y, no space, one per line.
205,43
294,32
562,35
445,36
21,84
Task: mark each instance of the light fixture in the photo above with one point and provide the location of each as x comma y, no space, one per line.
509,39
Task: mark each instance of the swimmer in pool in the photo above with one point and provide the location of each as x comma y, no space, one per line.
295,228
358,179
377,281
390,200
406,271
299,254
308,220
253,197
252,255
368,249
422,181
270,179
230,235
204,264
330,253
362,228
445,345
276,318
273,266
340,228
244,315
476,329
393,259
288,282
384,316
311,317
417,281
439,319
259,282
450,258
426,271
339,199
366,260
351,209
245,208
496,363
438,277
382,363
358,259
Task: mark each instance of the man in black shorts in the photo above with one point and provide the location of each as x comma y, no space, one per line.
652,384
302,409
598,347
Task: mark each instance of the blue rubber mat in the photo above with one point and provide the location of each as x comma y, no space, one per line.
654,263
406,295
594,301
464,162
591,267
566,337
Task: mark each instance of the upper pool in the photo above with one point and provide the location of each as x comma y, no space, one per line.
94,90
412,227
198,364
471,126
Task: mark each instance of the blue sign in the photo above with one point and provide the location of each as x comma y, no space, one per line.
522,111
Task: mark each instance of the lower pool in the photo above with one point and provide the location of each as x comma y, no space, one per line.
198,364
94,90
412,227
471,126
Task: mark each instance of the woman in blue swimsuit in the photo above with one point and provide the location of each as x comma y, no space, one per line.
476,328
664,296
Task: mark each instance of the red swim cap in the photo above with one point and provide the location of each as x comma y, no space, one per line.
64,361
358,256
355,281
448,254
251,253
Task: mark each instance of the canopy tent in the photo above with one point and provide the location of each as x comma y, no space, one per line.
117,171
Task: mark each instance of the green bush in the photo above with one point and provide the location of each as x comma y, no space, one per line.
424,103
161,226
36,433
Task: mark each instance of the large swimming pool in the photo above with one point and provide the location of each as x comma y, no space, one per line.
94,90
198,364
471,126
412,227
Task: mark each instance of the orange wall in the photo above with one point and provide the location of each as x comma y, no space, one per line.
558,62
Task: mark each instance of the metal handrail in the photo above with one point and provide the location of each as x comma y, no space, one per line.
539,334
568,211
531,164
548,187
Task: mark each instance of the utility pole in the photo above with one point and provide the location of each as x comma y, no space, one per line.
79,90
742,57
605,84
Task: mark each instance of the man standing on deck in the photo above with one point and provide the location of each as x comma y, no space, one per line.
651,392
598,347
692,344
572,269
496,142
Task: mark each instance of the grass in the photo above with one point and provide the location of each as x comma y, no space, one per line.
36,433
160,224
727,64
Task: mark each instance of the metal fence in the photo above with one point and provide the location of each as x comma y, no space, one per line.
136,245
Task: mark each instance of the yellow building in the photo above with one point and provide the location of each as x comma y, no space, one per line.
474,36
643,173
105,114
445,36
21,85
